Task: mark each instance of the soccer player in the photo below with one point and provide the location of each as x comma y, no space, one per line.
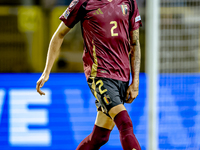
110,29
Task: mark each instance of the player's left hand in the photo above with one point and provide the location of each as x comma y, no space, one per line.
131,93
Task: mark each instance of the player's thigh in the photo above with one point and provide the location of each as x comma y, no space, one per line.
106,92
116,110
102,120
110,95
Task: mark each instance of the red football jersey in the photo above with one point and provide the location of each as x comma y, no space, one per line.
106,25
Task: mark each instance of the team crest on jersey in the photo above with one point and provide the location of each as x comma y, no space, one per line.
124,9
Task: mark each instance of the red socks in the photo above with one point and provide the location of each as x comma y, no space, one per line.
100,136
125,127
95,140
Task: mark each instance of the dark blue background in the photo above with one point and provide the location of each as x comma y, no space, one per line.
72,111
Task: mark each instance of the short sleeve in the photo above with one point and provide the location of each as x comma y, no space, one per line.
73,14
135,19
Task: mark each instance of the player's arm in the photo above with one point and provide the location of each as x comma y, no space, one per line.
135,57
53,51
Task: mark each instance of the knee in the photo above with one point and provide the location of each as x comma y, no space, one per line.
123,121
103,140
100,139
126,124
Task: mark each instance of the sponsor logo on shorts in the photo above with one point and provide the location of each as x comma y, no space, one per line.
138,18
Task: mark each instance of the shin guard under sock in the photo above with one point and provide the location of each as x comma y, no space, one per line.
95,140
125,127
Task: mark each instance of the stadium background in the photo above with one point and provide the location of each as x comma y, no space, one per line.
62,118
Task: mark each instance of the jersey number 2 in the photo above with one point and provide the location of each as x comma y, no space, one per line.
101,84
113,28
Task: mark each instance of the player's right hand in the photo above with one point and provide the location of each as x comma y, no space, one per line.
131,93
44,78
